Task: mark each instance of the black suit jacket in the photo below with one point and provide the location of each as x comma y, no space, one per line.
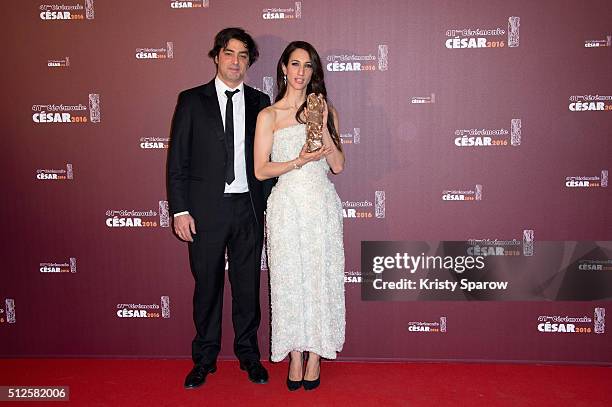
197,155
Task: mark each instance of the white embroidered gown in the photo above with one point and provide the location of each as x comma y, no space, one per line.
305,255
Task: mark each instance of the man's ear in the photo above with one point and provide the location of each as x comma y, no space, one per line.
216,59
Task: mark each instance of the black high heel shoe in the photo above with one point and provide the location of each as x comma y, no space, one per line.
293,385
313,384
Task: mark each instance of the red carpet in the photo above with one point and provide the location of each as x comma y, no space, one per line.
96,382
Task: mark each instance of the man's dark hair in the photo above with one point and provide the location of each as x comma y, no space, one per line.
234,33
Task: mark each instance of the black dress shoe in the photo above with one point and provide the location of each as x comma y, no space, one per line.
293,385
197,376
313,384
257,373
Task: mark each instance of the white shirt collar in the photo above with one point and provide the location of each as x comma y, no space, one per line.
221,87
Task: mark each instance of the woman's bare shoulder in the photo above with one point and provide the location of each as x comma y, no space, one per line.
268,114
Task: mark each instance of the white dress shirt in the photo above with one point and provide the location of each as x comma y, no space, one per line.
240,183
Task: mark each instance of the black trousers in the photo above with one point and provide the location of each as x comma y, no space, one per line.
237,231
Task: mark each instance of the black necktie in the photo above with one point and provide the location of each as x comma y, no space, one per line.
229,136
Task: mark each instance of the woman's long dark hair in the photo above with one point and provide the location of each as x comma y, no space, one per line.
316,84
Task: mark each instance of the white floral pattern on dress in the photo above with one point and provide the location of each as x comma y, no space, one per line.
305,255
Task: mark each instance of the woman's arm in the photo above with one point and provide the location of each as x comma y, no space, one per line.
264,168
334,157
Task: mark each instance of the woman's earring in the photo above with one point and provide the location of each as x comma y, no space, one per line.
285,79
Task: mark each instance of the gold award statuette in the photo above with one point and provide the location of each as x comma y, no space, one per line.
315,105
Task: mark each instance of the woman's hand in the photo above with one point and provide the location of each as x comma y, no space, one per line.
306,157
328,149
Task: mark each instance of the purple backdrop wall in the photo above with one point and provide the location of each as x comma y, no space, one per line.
409,80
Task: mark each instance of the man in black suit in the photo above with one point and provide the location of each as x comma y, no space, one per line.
212,188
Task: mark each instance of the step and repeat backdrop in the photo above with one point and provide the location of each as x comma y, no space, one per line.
475,194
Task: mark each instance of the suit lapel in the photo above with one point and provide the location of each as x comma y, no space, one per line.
251,105
211,106
251,109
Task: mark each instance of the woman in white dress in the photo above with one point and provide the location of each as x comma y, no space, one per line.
303,221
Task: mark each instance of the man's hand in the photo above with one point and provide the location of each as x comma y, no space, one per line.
184,226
